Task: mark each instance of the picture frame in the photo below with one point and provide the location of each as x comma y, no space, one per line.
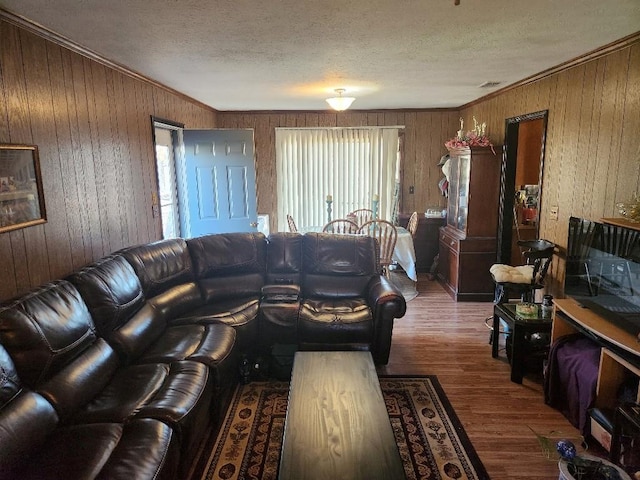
21,192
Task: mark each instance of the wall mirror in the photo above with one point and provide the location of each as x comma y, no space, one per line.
21,195
521,184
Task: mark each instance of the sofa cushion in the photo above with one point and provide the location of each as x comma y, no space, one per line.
117,304
141,449
26,419
160,265
166,391
230,265
112,291
81,379
9,382
239,313
338,265
178,394
45,330
278,323
138,331
177,300
284,258
213,345
335,321
166,275
228,254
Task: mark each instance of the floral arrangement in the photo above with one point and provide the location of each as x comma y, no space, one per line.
580,467
630,209
473,138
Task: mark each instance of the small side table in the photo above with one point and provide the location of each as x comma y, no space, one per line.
520,327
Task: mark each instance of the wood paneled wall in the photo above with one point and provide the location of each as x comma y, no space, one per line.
92,125
424,135
592,154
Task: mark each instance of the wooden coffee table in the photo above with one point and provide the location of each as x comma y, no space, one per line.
337,426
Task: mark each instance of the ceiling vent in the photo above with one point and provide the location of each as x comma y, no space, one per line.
489,84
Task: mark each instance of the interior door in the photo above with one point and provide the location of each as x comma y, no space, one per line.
217,182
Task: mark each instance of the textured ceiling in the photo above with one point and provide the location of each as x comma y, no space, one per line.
291,54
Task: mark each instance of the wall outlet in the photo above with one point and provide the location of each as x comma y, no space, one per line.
553,213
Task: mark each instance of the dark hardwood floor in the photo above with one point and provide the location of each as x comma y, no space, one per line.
438,336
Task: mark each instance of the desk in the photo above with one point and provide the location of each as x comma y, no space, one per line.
405,254
337,425
520,326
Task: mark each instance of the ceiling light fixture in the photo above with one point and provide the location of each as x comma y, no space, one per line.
340,103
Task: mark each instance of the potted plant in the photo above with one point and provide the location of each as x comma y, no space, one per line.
578,466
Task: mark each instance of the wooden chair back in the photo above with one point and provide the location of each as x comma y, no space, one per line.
362,215
292,224
386,235
412,224
341,225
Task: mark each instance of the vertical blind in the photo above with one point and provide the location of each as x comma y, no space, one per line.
350,164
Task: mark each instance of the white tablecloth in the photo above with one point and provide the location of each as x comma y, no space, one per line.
405,254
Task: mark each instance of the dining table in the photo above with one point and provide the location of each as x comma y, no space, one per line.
404,253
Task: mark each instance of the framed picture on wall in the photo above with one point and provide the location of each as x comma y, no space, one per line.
21,194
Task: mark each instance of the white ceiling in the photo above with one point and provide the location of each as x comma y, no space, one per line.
291,54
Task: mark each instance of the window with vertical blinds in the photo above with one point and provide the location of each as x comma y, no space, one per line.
350,164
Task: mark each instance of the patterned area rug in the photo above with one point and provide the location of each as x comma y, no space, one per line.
431,440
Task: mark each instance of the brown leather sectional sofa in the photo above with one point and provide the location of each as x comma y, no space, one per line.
118,370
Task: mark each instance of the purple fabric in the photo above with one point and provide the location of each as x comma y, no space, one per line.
572,375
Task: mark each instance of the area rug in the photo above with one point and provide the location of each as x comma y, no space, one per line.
431,439
405,284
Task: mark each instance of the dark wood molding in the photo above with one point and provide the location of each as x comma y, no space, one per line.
587,57
61,40
332,112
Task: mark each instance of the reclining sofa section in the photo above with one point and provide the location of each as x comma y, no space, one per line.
118,370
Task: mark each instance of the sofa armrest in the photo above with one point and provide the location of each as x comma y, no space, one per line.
386,303
382,294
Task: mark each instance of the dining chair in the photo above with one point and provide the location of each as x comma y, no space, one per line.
386,235
412,224
362,215
340,225
292,224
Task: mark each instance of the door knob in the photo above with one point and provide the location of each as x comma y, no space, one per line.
254,224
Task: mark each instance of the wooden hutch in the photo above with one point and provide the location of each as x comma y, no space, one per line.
468,242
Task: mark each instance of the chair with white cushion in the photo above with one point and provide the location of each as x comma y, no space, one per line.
524,280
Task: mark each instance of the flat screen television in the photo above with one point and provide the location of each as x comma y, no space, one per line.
603,271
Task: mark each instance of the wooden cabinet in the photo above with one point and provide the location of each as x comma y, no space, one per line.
468,242
426,240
